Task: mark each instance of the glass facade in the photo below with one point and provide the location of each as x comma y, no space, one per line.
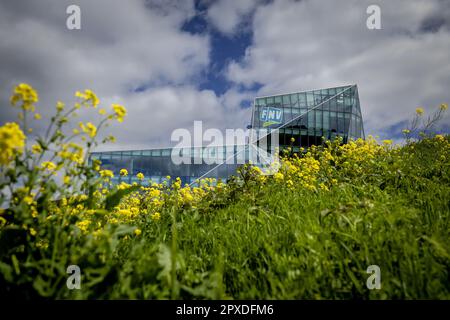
309,116
157,164
305,116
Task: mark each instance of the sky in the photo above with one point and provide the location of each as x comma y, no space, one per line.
173,62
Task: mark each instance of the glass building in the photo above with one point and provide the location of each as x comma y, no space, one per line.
309,117
157,164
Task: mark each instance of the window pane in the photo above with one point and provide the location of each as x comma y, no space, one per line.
310,99
346,122
340,103
333,121
340,123
333,105
326,120
311,120
348,104
261,102
294,98
318,119
287,114
302,99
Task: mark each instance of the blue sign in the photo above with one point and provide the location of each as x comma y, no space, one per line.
270,116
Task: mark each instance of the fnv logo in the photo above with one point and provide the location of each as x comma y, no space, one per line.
270,116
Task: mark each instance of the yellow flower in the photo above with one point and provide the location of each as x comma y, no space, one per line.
89,128
137,232
156,216
125,212
36,148
12,141
66,180
278,176
123,186
92,97
186,195
34,212
387,142
292,140
28,200
25,93
444,106
88,96
439,137
419,111
50,166
60,106
96,164
33,232
406,131
83,225
123,172
140,176
112,138
106,173
102,112
119,111
76,155
37,116
256,170
323,187
154,193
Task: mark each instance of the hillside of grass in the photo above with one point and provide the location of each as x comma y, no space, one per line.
274,240
314,226
270,237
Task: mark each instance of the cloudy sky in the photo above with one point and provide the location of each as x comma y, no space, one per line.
173,62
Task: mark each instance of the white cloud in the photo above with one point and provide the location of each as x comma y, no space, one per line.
313,44
170,108
227,15
296,46
121,46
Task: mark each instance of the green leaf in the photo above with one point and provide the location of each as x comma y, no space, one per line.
6,270
15,263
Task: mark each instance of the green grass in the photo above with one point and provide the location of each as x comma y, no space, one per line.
282,244
271,242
